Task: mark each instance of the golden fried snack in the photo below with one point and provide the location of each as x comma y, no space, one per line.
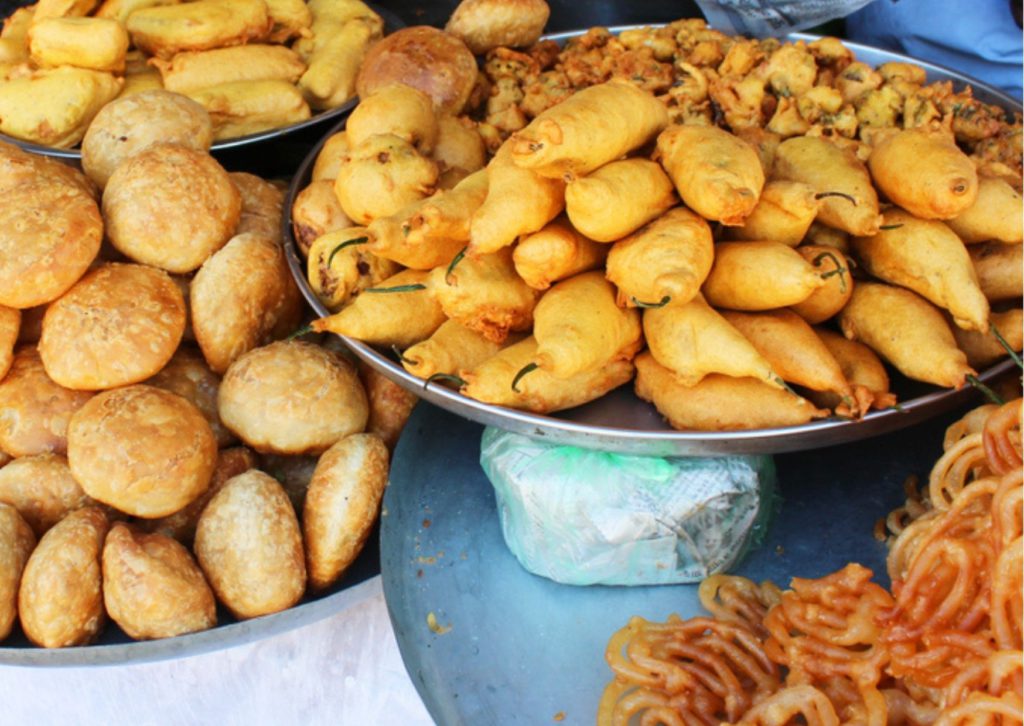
924,172
784,213
400,311
995,215
459,144
188,375
1000,270
519,201
250,548
862,368
34,411
618,198
341,33
315,212
396,109
555,252
237,298
170,206
342,505
50,233
907,331
830,298
143,450
190,71
927,257
240,108
759,276
42,489
126,126
54,106
435,62
719,402
390,405
138,76
199,25
539,391
693,340
821,235
262,202
592,127
380,176
577,326
63,8
328,17
485,294
431,231
291,18
119,324
328,159
340,265
984,348
452,348
120,9
488,24
840,180
99,44
16,544
677,248
292,397
717,174
60,601
181,525
10,329
152,587
795,353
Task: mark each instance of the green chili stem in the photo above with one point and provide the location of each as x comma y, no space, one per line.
402,358
397,288
785,385
343,245
525,369
460,382
451,265
838,271
890,226
1002,341
989,393
304,330
660,304
847,197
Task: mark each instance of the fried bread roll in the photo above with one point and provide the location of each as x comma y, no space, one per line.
96,43
927,257
577,326
717,174
291,18
400,311
694,340
487,24
759,276
924,172
63,8
192,70
338,51
16,544
618,198
340,266
848,200
240,108
539,391
395,109
53,107
555,252
906,330
592,127
784,213
165,30
120,9
119,324
42,489
719,402
995,215
519,201
677,246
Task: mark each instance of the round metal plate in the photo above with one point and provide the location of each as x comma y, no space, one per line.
620,421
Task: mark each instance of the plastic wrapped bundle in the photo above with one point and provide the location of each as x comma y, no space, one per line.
584,517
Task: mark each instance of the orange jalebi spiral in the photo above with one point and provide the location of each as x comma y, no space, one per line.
1001,437
738,600
806,702
998,673
982,709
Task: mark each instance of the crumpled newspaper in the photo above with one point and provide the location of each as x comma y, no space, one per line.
584,517
763,18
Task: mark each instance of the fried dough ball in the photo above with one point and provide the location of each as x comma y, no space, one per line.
435,62
487,24
142,450
397,109
50,233
170,206
119,324
315,212
249,545
292,473
16,544
292,397
42,489
152,587
390,405
342,505
188,375
262,202
130,124
60,601
34,411
237,298
10,328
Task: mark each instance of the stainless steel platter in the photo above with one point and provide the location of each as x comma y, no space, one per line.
623,423
391,23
